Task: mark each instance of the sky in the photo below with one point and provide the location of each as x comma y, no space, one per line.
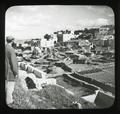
26,22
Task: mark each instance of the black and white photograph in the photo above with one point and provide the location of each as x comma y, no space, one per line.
59,57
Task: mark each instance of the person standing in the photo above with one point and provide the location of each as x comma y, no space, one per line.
11,69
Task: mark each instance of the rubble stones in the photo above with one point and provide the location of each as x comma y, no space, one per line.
23,66
103,98
37,73
30,81
19,59
29,69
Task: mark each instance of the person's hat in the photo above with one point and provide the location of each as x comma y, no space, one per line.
9,38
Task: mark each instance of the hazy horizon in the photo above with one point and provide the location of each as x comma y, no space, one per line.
26,22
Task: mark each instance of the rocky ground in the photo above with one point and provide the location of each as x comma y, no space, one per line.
54,97
50,97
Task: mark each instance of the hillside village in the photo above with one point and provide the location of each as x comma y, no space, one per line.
81,62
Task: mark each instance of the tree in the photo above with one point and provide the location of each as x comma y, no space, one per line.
47,36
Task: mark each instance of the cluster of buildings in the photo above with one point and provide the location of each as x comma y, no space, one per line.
105,38
102,38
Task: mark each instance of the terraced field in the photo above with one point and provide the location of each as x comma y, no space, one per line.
80,67
106,76
77,89
104,72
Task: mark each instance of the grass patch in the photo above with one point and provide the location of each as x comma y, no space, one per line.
94,70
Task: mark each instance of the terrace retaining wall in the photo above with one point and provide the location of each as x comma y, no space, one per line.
38,73
89,82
